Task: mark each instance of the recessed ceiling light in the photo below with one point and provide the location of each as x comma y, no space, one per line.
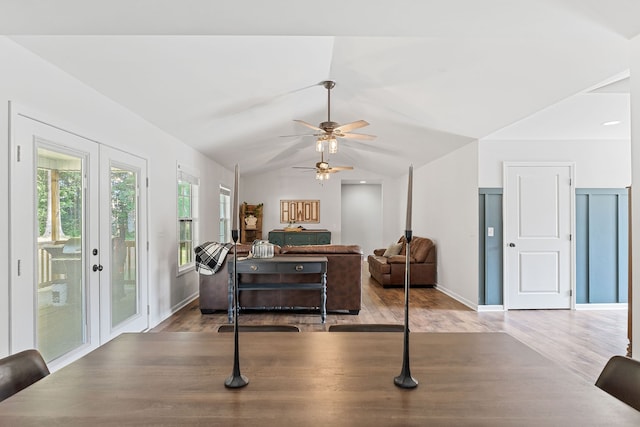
611,123
363,182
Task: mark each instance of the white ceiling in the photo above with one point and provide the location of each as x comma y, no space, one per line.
229,78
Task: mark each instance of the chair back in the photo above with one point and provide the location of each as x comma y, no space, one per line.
19,371
621,379
367,327
260,328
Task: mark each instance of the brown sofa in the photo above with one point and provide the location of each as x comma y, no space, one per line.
389,271
344,282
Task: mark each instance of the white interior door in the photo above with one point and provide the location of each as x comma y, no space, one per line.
538,224
72,287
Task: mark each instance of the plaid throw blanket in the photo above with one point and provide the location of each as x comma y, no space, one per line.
210,256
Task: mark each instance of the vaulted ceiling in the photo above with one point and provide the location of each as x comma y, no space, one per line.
229,78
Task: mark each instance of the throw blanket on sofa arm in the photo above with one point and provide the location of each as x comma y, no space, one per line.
210,256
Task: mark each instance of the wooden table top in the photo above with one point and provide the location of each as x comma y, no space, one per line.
314,378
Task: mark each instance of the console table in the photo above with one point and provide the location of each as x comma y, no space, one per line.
298,238
298,265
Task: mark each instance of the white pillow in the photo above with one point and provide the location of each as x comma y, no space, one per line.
393,249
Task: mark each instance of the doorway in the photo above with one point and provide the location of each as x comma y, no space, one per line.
361,216
78,241
538,224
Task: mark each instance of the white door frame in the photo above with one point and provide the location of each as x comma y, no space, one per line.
572,216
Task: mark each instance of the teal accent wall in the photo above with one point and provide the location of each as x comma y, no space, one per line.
602,251
490,292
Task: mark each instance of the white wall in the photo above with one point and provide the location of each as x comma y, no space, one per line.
362,215
635,226
445,209
599,164
270,188
30,81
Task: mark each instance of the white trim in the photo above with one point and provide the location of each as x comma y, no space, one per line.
457,297
488,308
612,306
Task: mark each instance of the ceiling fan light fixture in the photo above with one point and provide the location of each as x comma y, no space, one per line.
333,145
319,145
322,176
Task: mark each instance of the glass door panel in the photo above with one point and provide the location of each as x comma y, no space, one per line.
124,239
60,295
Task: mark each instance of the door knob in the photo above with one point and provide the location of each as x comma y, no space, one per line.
512,245
97,267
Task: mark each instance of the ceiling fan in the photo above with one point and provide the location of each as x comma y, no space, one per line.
323,170
328,132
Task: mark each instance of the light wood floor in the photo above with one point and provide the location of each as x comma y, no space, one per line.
582,341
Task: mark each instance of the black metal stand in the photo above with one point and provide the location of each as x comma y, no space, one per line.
236,379
405,380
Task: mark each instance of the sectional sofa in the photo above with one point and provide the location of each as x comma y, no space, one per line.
344,282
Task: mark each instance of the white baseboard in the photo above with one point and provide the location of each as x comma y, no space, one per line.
618,306
485,308
457,297
175,309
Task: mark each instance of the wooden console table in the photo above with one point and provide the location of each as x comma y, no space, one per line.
298,238
280,265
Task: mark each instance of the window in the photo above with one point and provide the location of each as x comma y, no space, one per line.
187,201
225,215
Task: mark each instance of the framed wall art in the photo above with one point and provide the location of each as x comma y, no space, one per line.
299,211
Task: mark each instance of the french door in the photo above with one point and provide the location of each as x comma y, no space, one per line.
78,241
122,243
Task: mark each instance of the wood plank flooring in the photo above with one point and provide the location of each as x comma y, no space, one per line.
582,341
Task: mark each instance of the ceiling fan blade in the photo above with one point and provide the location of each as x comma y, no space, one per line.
361,136
309,125
353,125
299,134
303,167
340,168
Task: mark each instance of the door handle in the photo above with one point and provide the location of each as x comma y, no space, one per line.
512,245
97,267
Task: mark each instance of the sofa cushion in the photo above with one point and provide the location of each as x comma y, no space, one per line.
400,259
393,249
420,248
379,263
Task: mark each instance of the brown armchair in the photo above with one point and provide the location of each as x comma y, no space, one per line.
389,271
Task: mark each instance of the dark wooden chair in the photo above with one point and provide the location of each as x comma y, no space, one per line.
260,328
367,327
621,379
19,371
